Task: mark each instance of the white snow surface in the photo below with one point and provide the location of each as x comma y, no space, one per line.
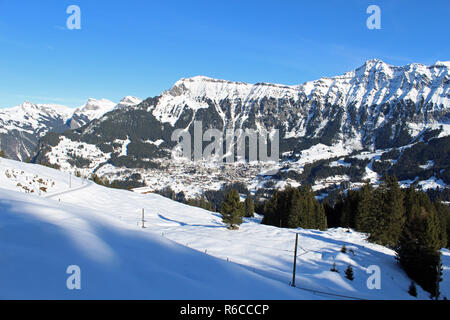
181,254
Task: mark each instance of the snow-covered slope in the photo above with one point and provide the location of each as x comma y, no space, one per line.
41,238
99,229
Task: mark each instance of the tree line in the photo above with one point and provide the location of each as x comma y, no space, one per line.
294,208
405,220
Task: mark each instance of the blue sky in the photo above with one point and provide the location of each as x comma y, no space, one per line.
142,47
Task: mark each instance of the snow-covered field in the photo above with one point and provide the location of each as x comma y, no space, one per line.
183,253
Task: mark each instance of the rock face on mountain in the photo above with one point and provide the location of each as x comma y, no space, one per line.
22,126
375,107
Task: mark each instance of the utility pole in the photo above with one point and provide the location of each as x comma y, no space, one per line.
143,221
295,260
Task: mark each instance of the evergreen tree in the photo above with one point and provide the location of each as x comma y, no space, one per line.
2,154
412,289
349,273
271,216
180,197
249,207
333,268
293,208
419,245
388,213
203,203
232,209
394,210
297,216
349,209
365,215
344,249
443,213
321,218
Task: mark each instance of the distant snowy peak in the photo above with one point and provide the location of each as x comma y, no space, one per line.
22,126
31,118
96,107
445,64
128,101
92,109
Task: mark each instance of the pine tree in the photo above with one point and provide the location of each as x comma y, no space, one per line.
389,213
375,225
349,206
419,245
365,219
271,216
412,289
349,273
321,218
2,154
180,197
249,207
443,213
296,209
232,209
394,211
333,268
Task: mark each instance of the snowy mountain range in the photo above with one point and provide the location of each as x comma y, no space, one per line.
22,126
345,129
360,105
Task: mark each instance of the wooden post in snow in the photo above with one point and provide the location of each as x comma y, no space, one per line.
295,260
143,221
